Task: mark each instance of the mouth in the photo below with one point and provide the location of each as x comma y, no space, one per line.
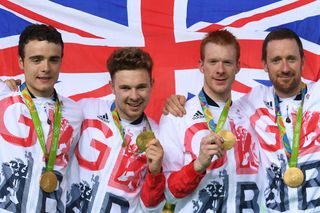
285,77
44,78
220,80
135,104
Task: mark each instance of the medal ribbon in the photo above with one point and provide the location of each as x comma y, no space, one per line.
208,115
38,127
117,122
292,153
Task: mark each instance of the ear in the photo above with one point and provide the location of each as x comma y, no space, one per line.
201,66
238,66
265,66
112,86
302,64
20,62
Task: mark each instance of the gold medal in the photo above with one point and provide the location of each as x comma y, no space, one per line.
228,139
143,139
293,177
48,181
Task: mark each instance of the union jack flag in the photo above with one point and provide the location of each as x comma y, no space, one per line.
169,30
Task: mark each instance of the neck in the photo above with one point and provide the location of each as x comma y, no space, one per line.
45,94
217,97
132,120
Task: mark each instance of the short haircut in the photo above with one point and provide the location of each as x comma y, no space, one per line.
279,34
129,58
39,32
220,37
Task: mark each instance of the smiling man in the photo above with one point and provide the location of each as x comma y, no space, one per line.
286,119
210,162
116,174
38,128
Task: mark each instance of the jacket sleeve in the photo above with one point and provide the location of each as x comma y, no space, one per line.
152,193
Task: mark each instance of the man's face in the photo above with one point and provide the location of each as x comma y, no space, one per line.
219,67
41,66
132,92
284,65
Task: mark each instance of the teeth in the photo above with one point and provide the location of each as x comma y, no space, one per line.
134,105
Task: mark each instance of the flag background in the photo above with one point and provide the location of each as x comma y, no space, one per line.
169,30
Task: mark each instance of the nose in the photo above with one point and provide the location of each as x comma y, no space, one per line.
134,95
285,66
45,66
221,68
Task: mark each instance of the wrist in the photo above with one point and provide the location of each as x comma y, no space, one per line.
198,167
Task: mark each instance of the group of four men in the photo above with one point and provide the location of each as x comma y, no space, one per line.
57,155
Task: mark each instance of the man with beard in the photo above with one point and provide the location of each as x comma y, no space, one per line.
285,117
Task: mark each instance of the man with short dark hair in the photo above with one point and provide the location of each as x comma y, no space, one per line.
118,158
285,118
38,128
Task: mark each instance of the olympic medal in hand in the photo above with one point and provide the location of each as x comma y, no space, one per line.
228,139
143,139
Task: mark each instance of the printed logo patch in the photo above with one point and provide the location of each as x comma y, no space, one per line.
104,117
268,104
197,115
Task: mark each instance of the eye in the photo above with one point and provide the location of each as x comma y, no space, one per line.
228,63
292,59
275,60
55,60
213,62
35,60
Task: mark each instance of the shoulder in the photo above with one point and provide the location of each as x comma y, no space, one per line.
70,109
4,89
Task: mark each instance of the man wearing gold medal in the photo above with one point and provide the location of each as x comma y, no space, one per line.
285,117
205,169
118,160
38,128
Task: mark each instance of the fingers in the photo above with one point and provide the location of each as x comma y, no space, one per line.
154,154
13,84
18,82
175,105
210,146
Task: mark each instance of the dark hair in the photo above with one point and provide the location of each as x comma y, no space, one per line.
221,37
279,34
39,32
129,58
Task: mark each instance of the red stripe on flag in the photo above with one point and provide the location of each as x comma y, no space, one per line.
311,70
250,53
43,19
80,58
9,62
97,93
243,21
77,59
240,87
